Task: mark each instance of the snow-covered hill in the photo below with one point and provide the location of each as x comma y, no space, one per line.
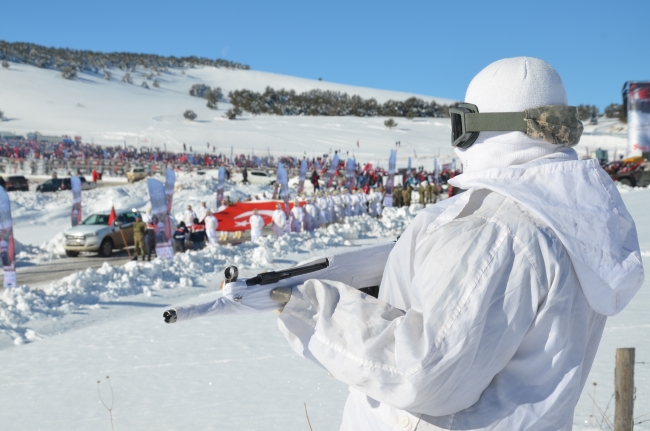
114,112
111,112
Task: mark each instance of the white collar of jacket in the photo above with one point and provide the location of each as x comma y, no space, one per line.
582,205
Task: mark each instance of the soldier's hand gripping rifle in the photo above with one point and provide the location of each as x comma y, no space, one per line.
361,269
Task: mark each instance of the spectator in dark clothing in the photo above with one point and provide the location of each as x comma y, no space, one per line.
179,238
197,235
314,180
150,237
244,174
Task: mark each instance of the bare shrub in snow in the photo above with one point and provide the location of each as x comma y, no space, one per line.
127,78
390,123
156,83
213,98
233,113
199,90
69,72
190,115
110,409
205,91
5,64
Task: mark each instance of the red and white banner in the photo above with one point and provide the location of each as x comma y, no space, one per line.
236,217
638,118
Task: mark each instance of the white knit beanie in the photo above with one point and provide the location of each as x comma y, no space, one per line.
511,85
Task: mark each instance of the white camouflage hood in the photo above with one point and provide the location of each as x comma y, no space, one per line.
580,202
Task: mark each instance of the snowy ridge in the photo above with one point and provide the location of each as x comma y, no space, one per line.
19,306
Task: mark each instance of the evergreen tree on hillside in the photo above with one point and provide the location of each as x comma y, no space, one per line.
613,110
322,102
5,64
156,83
2,115
585,111
127,78
144,85
92,62
213,98
190,115
199,90
390,123
107,75
69,72
233,113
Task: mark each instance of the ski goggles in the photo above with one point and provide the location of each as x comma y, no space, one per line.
554,123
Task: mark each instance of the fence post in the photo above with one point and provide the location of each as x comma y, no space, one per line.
624,389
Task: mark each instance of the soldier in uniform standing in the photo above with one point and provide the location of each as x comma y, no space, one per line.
139,230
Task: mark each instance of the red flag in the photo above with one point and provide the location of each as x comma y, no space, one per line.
112,217
236,217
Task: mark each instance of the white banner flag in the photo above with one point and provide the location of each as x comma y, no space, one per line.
160,219
170,182
7,246
221,181
75,214
302,176
390,183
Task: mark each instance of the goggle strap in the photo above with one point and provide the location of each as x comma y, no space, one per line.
496,122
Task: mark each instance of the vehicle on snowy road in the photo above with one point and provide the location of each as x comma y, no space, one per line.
633,171
96,236
16,183
136,174
255,176
56,184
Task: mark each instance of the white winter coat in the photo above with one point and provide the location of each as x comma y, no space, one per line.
257,223
296,218
201,213
188,217
279,221
491,306
211,224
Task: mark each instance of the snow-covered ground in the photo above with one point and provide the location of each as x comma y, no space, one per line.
220,373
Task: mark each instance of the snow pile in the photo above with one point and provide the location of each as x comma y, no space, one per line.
20,305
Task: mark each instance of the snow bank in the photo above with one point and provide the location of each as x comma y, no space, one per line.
19,306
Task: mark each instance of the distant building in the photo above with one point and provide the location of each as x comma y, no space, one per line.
10,136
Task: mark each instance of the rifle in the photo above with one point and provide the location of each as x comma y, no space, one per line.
361,269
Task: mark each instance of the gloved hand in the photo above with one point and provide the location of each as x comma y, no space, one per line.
282,295
170,316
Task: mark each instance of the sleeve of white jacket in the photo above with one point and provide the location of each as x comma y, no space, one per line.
474,293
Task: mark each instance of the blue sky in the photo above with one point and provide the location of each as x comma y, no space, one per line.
425,47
